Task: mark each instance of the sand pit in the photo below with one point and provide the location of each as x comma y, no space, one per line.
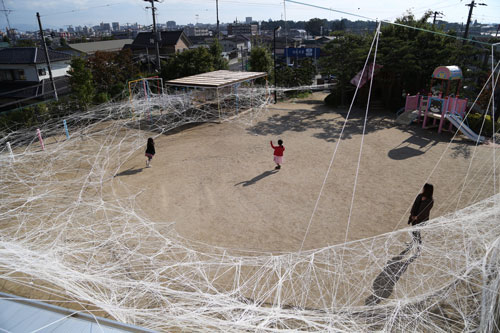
217,182
86,226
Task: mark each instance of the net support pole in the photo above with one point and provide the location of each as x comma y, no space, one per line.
11,153
66,129
218,105
39,134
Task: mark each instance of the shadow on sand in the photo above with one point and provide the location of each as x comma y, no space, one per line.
384,283
256,178
129,172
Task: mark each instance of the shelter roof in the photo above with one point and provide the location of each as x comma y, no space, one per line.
216,79
447,73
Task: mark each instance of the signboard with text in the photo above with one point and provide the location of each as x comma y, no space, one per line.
303,52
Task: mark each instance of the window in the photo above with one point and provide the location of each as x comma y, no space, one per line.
6,75
42,71
20,75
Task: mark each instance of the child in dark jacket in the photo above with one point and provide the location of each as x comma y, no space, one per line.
421,209
278,154
150,151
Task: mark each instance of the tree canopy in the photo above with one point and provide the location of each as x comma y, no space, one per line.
81,81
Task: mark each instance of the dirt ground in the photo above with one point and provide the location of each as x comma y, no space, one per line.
218,184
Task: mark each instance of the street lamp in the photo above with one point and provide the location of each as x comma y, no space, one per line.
278,28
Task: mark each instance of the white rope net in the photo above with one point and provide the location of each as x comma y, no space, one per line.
66,234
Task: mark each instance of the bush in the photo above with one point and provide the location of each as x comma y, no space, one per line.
333,99
476,121
101,97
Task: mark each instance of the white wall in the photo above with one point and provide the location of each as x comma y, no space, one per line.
59,68
29,71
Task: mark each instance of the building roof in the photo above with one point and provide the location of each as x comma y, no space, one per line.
216,79
106,46
19,314
237,38
168,38
29,55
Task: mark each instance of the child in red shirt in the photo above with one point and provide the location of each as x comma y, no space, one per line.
278,154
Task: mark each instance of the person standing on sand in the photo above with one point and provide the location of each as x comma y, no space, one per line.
421,209
150,151
278,154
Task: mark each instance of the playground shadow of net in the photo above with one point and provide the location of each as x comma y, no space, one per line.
327,121
384,283
170,122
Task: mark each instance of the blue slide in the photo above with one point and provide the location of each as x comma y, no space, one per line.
456,120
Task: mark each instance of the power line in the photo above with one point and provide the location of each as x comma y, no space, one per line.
82,9
388,22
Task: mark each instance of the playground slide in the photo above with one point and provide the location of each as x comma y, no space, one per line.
457,121
407,117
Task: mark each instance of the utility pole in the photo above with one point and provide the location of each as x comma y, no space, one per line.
435,15
47,60
217,13
471,6
6,12
156,35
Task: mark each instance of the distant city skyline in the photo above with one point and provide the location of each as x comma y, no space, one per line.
61,13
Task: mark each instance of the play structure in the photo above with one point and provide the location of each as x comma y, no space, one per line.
440,106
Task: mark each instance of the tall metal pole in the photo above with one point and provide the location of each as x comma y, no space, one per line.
217,13
47,60
157,37
274,53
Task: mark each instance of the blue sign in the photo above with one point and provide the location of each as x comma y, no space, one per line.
303,52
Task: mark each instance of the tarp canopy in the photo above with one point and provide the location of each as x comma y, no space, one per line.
447,73
216,79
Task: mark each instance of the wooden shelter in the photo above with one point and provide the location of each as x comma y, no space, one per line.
221,86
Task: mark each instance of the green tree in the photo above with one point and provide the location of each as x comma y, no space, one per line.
260,60
81,81
315,26
112,70
344,57
189,62
218,60
301,75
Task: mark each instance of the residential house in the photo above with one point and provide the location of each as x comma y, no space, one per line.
235,44
24,75
170,43
29,64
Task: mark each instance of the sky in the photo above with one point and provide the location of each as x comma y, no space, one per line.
61,13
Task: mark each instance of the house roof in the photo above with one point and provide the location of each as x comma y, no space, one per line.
237,38
29,55
216,79
107,46
168,38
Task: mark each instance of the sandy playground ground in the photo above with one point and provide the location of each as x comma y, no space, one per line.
218,184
